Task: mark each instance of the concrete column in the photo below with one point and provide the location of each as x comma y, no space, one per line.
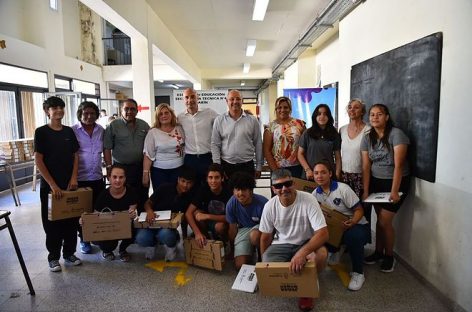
143,82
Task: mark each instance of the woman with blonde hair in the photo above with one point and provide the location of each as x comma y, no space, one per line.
163,148
281,138
351,136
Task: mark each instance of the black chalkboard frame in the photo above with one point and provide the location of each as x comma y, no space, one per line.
407,79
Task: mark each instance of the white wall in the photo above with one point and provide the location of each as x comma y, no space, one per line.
33,35
433,226
70,19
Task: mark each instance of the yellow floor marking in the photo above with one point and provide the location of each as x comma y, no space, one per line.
343,273
180,278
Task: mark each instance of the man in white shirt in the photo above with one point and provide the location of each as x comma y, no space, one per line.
236,138
103,120
197,124
299,226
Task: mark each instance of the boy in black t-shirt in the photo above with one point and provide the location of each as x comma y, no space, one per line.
56,147
208,208
175,197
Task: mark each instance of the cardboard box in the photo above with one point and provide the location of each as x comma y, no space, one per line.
246,280
334,221
72,204
211,256
304,185
101,226
275,279
173,223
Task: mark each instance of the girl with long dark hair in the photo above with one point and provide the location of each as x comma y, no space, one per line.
320,142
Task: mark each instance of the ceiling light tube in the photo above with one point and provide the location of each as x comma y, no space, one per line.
174,86
246,68
260,8
251,47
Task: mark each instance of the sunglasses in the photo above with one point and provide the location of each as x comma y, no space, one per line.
279,186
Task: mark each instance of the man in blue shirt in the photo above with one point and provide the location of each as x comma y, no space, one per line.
243,213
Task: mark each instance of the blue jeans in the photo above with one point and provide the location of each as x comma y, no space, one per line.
355,238
161,176
150,237
200,163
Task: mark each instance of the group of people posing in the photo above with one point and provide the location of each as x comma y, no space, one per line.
205,165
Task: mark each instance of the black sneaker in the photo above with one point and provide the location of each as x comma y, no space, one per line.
54,266
72,260
373,258
388,264
109,256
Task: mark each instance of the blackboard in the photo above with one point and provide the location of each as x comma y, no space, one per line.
407,80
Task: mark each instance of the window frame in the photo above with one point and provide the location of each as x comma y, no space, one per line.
17,89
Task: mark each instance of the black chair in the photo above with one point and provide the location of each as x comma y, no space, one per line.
4,215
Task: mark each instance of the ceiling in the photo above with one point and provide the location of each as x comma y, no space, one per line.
215,32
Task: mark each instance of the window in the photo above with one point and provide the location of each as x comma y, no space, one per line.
8,118
53,5
64,84
21,101
22,76
72,101
32,112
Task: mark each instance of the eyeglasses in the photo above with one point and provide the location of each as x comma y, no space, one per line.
129,109
279,186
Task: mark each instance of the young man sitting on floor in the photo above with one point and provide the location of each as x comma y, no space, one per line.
175,197
206,213
243,213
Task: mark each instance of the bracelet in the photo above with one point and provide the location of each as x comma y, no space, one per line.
108,166
146,171
307,169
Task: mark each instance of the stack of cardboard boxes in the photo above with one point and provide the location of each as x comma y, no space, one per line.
17,151
28,146
13,151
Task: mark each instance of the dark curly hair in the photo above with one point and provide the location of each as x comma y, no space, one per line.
242,181
84,105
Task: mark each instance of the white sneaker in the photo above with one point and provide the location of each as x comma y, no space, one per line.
357,280
149,253
171,253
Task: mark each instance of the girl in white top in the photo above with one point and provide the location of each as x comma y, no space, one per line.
351,136
163,148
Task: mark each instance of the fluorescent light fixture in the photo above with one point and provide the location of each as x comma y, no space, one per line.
251,47
175,86
260,8
243,83
160,80
246,68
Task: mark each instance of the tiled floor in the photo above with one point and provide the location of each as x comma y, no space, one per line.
116,286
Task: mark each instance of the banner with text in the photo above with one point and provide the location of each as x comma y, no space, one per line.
214,99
